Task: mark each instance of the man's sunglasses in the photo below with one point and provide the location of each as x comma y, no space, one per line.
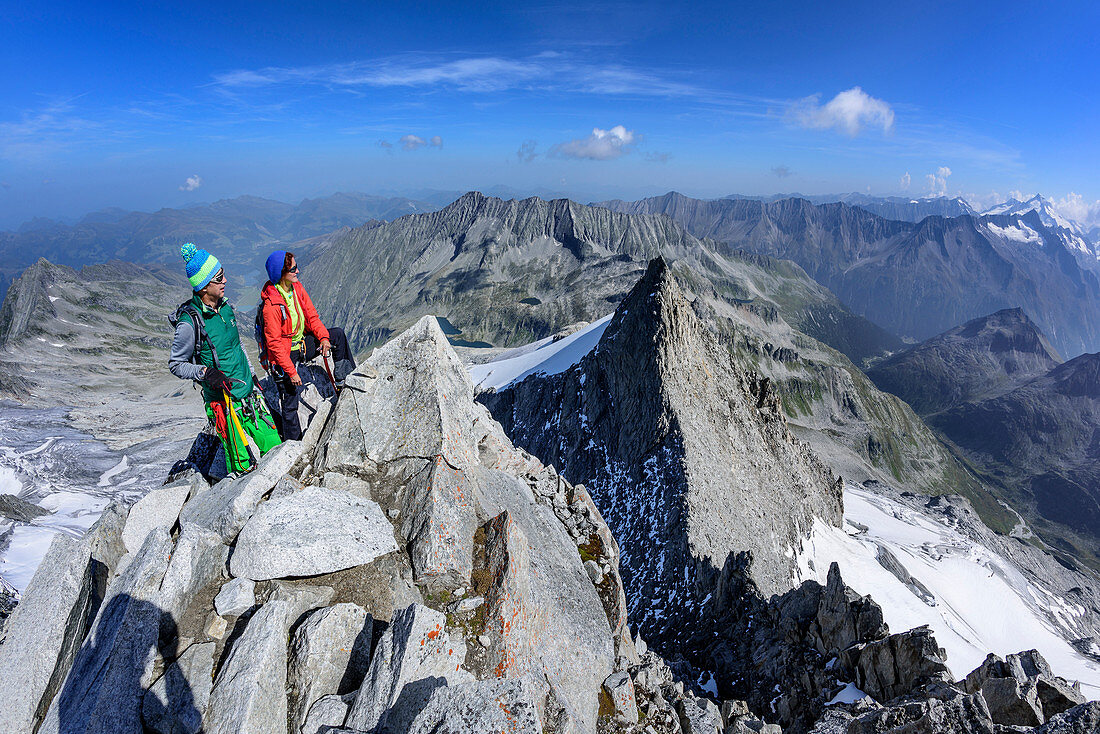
219,278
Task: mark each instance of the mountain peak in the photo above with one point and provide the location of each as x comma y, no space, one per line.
985,356
658,421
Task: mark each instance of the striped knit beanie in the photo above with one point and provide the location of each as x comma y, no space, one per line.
201,265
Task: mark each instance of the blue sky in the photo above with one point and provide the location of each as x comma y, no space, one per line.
165,104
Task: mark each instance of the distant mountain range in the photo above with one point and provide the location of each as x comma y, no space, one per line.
506,272
511,272
901,208
915,279
239,231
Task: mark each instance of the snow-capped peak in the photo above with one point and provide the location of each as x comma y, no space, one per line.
1048,214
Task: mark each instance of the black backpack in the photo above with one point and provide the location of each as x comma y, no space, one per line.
200,331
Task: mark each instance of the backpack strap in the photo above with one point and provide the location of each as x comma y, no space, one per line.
200,331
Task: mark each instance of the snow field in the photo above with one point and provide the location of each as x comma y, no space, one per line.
983,604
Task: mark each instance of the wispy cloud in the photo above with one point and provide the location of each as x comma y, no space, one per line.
655,157
42,132
849,112
192,183
601,145
782,171
526,152
905,181
484,74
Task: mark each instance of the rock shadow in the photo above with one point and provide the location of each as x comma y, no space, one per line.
103,691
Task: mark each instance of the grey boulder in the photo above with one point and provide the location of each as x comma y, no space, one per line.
235,598
620,688
328,713
898,664
1082,719
494,705
329,654
311,532
198,560
45,631
699,716
226,507
414,657
249,695
158,509
104,687
176,702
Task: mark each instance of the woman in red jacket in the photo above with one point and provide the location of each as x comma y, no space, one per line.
293,333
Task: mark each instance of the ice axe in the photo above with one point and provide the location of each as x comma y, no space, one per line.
328,369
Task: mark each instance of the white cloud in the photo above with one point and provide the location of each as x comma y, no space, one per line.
905,181
412,142
192,183
601,145
937,182
850,111
1076,207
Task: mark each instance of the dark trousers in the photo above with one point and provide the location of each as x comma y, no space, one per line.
289,393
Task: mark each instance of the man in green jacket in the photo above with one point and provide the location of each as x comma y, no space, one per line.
212,355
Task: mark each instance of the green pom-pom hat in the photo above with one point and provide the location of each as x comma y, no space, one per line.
201,265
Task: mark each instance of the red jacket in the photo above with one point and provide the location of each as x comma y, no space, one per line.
278,329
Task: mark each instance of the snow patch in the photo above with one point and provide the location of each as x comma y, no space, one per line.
9,481
1018,233
848,694
549,358
121,466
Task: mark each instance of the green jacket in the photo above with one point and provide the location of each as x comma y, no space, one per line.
221,328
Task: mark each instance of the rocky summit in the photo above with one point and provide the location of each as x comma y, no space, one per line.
689,458
394,571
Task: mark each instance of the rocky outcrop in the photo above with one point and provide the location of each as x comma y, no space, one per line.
1021,690
309,533
688,457
249,605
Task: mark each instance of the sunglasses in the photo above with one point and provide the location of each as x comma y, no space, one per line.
291,270
219,278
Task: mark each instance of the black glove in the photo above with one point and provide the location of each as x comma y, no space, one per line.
216,380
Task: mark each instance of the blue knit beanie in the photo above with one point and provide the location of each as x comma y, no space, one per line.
201,265
274,265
